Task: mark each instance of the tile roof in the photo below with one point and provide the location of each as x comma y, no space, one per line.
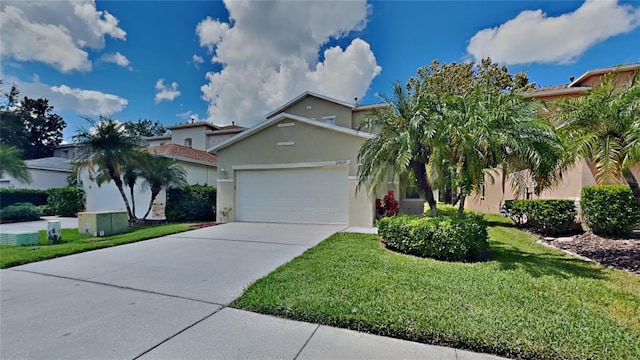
231,127
183,152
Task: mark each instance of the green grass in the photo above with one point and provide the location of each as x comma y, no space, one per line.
73,243
528,302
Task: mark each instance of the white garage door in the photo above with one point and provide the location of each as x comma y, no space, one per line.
314,196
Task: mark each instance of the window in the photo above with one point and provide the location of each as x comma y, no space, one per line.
329,120
188,142
411,192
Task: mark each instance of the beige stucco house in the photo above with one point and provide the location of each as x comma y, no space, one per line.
492,196
46,173
300,166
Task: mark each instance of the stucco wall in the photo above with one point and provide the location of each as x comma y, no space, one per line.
216,139
320,108
200,174
197,135
312,144
40,180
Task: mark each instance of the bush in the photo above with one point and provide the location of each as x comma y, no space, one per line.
447,210
21,212
547,217
191,203
442,238
45,210
66,201
610,209
13,196
390,207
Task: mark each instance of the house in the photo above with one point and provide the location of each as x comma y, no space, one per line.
46,173
492,197
186,145
300,166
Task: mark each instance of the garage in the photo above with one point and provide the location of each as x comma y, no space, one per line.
300,195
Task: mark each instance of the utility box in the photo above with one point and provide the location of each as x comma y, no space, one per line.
54,231
103,223
18,238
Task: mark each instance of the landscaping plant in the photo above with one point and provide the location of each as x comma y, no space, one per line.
610,209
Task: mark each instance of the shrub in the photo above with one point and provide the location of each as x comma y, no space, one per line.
447,210
13,196
45,210
21,212
547,217
191,203
389,207
610,209
66,201
442,238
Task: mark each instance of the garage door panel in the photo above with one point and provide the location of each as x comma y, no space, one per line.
316,196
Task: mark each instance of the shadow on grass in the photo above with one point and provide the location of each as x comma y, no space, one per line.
545,264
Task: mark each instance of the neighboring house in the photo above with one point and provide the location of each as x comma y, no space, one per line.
300,166
46,173
492,198
199,165
198,135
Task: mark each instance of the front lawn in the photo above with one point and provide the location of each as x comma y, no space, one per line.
73,243
528,302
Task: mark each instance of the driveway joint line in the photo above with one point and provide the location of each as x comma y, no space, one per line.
306,342
240,240
178,333
117,286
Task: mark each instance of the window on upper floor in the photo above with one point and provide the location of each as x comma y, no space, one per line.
329,119
188,142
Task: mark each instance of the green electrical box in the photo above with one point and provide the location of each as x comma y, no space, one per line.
103,223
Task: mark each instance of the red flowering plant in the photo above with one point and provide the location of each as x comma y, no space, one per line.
390,206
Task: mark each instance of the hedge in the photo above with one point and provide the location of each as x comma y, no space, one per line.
442,238
20,211
66,201
14,196
610,209
191,203
547,217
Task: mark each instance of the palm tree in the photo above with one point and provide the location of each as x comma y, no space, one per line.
484,130
401,146
130,174
12,164
107,147
160,172
603,128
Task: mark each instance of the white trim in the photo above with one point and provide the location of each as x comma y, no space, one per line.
289,124
282,116
292,165
602,71
48,169
225,180
351,177
180,158
286,143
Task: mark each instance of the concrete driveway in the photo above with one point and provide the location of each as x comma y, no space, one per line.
166,299
122,301
65,222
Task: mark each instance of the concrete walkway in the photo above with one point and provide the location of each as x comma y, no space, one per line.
167,298
65,222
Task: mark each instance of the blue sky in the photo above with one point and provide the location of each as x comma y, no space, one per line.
235,61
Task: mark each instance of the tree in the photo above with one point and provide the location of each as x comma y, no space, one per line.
107,148
160,172
485,129
401,145
146,128
30,125
130,174
603,127
11,163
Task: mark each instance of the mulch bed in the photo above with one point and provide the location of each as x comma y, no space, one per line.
617,253
204,225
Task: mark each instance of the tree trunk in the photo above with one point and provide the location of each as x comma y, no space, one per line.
133,200
116,179
633,182
463,197
423,185
154,194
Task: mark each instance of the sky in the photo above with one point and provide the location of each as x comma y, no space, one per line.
174,61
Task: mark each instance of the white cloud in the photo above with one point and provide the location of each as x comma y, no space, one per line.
197,60
532,36
267,60
189,115
55,32
63,97
117,59
167,93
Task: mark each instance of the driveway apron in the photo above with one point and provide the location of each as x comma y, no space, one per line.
124,301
